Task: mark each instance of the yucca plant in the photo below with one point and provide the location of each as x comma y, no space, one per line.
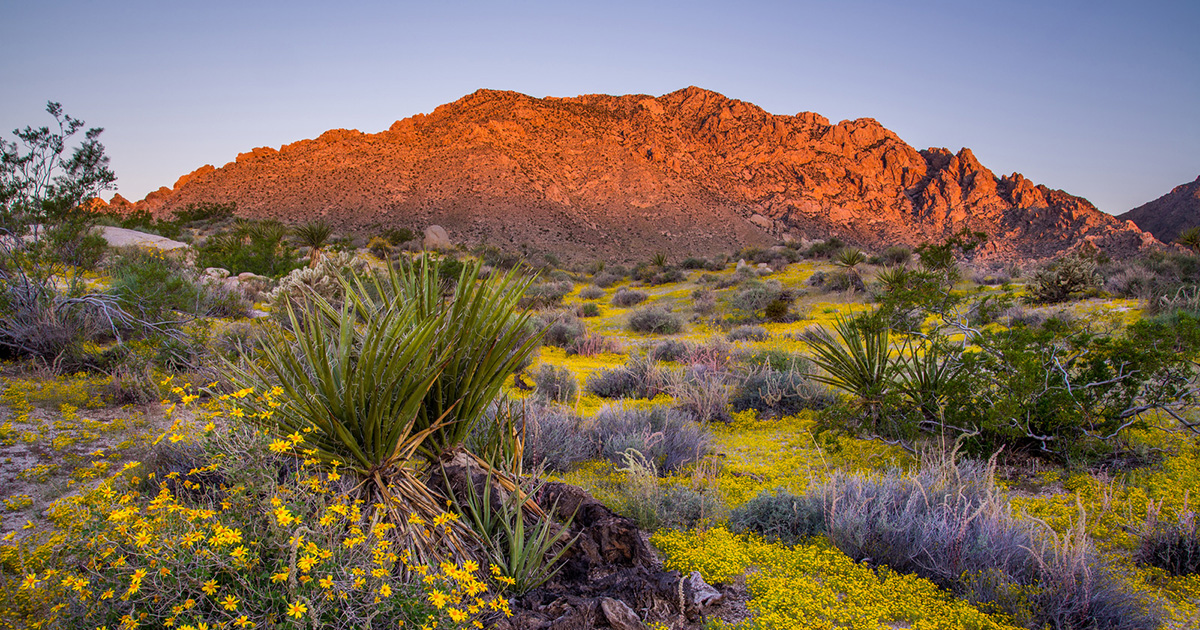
524,555
856,361
925,370
849,258
484,338
353,394
315,236
401,370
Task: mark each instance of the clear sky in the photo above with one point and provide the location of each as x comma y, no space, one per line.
1098,98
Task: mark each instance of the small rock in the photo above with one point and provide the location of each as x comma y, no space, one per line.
247,276
620,615
700,592
216,272
741,264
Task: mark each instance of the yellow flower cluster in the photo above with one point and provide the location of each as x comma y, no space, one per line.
816,586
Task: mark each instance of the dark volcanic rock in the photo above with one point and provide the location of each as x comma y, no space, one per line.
620,177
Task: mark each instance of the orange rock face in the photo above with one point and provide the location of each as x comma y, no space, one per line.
618,177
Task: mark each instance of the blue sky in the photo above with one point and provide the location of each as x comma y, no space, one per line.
1097,98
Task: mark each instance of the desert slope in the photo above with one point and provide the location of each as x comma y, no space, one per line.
622,176
1170,214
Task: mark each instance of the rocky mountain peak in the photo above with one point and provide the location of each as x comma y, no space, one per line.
619,177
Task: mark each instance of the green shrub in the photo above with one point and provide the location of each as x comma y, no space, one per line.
156,284
588,310
259,248
655,320
780,516
380,247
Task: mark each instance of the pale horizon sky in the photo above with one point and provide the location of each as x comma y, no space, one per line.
1096,98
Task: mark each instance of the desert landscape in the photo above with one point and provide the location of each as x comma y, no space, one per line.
622,361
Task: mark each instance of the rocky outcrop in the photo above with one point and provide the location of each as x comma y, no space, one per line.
1170,214
617,177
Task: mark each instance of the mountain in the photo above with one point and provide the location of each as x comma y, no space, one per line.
1170,214
621,177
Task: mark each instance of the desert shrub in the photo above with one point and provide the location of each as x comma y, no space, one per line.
628,297
590,344
1173,546
895,255
259,248
640,377
655,320
205,212
755,296
398,236
704,301
844,281
669,350
555,438
701,392
714,354
561,329
692,262
665,437
824,249
588,310
1152,276
748,333
380,247
948,522
555,384
606,279
818,279
1068,277
653,503
591,292
778,309
155,284
671,274
774,359
301,286
779,393
780,516
545,294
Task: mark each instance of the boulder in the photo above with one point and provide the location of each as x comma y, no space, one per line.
436,238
